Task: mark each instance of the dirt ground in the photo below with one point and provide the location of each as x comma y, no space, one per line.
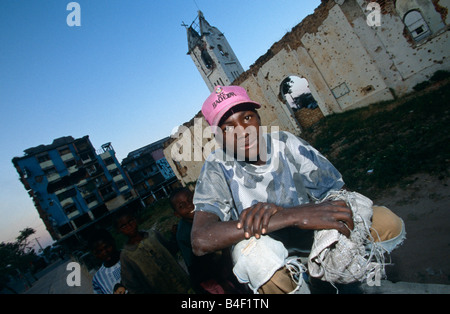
424,206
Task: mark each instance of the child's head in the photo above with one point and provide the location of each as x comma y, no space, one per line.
126,223
119,289
231,111
182,204
102,245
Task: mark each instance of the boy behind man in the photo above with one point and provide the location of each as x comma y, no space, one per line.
103,247
209,273
147,265
265,184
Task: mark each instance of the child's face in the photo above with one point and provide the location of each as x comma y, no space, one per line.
241,135
104,251
120,290
127,225
184,207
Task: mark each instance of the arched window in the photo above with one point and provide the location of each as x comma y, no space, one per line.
416,25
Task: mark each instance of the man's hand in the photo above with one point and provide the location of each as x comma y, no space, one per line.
255,219
327,215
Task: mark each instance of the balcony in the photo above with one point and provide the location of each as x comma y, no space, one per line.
53,176
117,178
111,167
66,202
92,204
46,164
73,214
67,157
72,169
124,188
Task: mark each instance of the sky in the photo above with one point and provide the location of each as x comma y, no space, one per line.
123,76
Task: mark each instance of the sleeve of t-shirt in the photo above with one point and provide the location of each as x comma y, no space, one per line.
212,193
318,174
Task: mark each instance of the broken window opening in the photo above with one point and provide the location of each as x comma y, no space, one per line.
416,25
222,51
207,60
295,92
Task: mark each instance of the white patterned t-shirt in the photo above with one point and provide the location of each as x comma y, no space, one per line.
106,278
294,174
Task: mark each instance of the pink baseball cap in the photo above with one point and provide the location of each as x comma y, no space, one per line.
223,99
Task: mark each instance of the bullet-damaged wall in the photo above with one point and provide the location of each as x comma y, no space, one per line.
347,60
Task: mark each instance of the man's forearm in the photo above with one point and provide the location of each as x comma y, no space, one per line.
210,235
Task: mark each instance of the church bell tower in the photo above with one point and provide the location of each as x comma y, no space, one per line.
212,54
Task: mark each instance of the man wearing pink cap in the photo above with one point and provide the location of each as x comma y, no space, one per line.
258,195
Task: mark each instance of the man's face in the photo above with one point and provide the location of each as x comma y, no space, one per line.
241,135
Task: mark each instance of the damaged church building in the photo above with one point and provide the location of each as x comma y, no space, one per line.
350,56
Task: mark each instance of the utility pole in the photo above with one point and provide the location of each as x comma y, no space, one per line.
39,244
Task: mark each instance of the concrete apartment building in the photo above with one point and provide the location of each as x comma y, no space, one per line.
150,173
74,186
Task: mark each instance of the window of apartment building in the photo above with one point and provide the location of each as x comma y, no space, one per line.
87,188
92,169
70,163
43,158
114,172
121,183
128,195
50,171
416,24
100,180
70,209
64,151
90,198
85,157
64,195
108,161
107,191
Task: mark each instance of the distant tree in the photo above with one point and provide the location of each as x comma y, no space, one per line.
286,86
14,257
305,100
22,239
